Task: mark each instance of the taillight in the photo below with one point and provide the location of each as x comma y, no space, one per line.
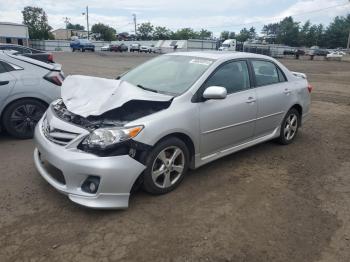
309,88
54,77
50,58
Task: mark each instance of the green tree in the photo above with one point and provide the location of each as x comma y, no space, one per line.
204,34
270,32
337,32
252,33
75,26
225,35
185,34
145,31
107,33
161,32
288,32
232,35
304,34
243,35
36,20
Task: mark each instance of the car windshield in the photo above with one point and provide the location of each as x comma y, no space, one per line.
225,45
168,74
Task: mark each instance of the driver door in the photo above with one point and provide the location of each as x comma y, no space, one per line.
230,121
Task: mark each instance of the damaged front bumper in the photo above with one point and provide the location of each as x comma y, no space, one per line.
67,168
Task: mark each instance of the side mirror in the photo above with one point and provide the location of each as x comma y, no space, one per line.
215,92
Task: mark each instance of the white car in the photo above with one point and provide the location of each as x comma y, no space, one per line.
105,48
146,49
336,54
27,87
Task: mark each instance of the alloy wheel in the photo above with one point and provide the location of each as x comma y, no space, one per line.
290,127
168,167
25,117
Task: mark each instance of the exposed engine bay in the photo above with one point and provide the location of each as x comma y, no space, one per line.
120,116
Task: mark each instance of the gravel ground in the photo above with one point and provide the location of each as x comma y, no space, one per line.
266,203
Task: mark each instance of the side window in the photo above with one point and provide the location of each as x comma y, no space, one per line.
266,73
2,68
281,76
233,76
5,67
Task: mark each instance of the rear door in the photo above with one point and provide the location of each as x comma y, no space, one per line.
273,96
7,81
230,121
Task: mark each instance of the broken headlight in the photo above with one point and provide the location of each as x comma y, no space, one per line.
106,137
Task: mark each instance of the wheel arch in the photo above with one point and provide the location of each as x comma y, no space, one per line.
299,108
186,139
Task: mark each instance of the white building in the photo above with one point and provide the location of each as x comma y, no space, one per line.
12,33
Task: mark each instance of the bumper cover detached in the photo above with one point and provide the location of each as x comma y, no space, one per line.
117,173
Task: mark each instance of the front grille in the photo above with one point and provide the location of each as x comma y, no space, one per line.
54,172
57,136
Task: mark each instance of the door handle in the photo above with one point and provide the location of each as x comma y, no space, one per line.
287,91
2,83
250,100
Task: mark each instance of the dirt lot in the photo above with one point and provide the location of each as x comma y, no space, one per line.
267,203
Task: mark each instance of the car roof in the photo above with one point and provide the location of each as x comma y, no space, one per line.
219,55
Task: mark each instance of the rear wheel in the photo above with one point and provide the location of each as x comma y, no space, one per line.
21,117
167,165
82,50
289,127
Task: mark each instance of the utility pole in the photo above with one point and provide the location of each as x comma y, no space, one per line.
348,45
87,20
66,21
134,15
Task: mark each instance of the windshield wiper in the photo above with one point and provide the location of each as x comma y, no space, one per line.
146,88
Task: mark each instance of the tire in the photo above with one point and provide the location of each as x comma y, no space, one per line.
289,127
21,117
73,49
82,50
157,170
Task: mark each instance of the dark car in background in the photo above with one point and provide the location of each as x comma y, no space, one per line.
29,52
118,48
82,45
317,51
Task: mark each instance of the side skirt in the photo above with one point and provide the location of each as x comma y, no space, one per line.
209,158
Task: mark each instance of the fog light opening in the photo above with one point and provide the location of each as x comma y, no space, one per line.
91,184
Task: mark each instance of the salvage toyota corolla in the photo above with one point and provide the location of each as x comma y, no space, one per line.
174,112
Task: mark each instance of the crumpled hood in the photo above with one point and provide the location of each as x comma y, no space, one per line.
93,96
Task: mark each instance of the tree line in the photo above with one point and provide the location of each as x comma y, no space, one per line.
287,31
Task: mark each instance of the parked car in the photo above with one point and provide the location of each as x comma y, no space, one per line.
27,86
336,55
135,47
106,47
316,51
145,49
118,48
29,52
82,44
174,112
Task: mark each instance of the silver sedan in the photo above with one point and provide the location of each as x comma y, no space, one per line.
175,112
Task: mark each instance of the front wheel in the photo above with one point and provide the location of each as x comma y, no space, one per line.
167,164
289,127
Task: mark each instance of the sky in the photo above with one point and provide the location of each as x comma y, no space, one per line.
216,16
